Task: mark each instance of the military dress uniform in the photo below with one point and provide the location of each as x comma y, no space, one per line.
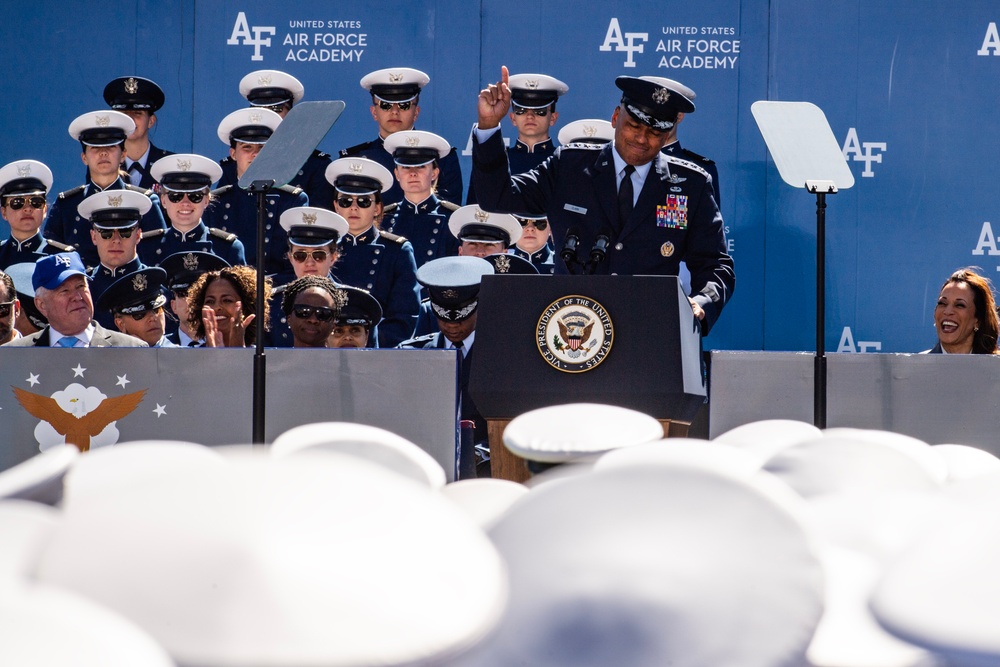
140,172
425,226
311,179
135,93
14,252
521,159
382,263
709,166
449,186
101,278
543,259
161,243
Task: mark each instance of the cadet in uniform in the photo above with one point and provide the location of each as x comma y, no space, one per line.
136,302
421,216
663,212
532,113
278,92
235,210
185,186
380,262
534,245
673,145
183,269
115,218
23,186
453,284
102,137
593,132
139,99
358,316
313,234
481,233
395,106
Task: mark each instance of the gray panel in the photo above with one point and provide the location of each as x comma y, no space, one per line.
750,386
409,392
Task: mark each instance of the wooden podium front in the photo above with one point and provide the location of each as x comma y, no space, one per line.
630,341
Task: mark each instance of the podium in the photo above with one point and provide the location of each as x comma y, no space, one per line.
630,341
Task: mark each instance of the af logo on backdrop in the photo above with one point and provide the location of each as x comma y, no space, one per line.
863,151
307,40
682,47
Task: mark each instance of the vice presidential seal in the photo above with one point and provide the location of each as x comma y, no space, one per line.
574,334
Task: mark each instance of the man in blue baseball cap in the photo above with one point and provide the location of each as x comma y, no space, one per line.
63,297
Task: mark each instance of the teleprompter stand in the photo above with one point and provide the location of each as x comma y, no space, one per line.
524,344
808,156
277,163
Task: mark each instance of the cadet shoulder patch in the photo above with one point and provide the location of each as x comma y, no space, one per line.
222,234
75,191
136,188
152,234
389,236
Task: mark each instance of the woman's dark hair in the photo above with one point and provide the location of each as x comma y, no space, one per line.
293,289
244,281
984,341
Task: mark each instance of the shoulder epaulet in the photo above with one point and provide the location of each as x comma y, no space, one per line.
583,145
221,191
686,164
61,247
153,233
136,188
354,150
412,342
75,191
448,205
389,236
700,158
320,154
390,208
290,189
222,234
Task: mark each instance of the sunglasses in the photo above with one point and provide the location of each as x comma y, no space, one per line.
363,202
317,255
124,232
6,308
540,225
520,111
141,315
322,313
17,203
402,106
193,197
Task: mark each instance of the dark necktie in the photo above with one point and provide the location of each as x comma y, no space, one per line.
626,193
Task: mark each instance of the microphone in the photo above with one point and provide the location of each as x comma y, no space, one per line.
600,249
568,252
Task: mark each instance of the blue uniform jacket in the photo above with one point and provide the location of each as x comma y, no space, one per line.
65,225
28,251
521,160
235,210
101,278
383,264
449,186
146,181
311,179
543,259
160,244
677,150
425,226
675,217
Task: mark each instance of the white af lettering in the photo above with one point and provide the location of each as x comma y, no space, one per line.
627,42
863,151
987,241
242,31
991,42
847,343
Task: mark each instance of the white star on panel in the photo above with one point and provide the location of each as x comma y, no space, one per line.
160,410
78,371
123,380
32,379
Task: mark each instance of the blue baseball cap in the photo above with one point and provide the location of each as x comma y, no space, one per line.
53,270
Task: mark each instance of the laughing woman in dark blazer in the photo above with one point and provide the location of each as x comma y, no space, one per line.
965,317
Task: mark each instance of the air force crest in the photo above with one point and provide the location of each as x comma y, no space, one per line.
574,334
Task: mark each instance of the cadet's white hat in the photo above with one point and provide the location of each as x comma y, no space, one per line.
587,131
269,87
395,84
413,148
560,433
765,438
25,177
358,176
535,91
185,172
101,128
252,125
112,209
312,227
40,478
471,223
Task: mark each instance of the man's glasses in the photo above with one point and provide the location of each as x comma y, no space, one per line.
6,308
17,203
124,232
322,313
347,202
317,255
193,197
143,313
520,111
540,225
402,106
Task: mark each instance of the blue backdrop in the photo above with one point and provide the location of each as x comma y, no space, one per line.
909,90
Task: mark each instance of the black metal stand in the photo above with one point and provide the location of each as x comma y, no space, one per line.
259,359
819,363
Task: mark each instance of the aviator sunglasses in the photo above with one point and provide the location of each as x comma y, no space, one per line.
520,111
540,225
124,232
363,202
323,314
17,203
317,255
402,106
193,197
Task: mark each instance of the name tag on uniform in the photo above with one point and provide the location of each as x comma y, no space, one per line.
575,209
673,213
